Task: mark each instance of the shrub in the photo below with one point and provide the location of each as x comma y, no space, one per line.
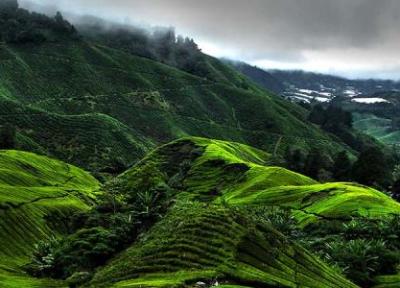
361,259
43,259
279,218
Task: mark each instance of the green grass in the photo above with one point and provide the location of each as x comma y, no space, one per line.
36,194
19,280
324,201
169,280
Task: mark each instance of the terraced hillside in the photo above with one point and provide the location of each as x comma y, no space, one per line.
51,90
202,243
36,195
208,234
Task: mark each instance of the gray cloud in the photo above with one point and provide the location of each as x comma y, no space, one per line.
286,33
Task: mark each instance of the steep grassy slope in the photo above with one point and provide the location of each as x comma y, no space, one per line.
146,103
36,194
208,234
198,243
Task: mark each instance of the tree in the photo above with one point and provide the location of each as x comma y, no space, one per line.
63,26
342,167
295,160
336,119
317,115
164,42
371,168
8,137
315,162
396,184
396,190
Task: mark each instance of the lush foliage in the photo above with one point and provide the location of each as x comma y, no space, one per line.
99,234
362,248
321,166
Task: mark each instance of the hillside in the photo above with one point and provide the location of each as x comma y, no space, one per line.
212,189
199,172
177,251
235,174
377,115
74,86
37,194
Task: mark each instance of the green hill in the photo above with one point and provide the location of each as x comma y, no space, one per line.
209,233
53,89
216,184
236,174
36,195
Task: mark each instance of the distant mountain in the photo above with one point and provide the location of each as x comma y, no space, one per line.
375,104
303,86
260,76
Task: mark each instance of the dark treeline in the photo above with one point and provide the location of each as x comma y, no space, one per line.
374,166
337,121
371,168
160,44
18,25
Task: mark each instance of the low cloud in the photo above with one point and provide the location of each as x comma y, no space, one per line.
284,33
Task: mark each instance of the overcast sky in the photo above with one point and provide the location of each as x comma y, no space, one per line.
354,38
